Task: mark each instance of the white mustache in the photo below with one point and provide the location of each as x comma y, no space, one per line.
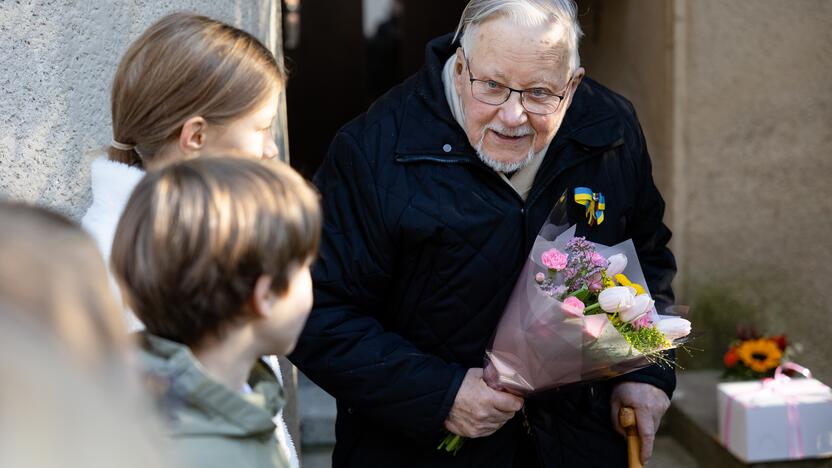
511,132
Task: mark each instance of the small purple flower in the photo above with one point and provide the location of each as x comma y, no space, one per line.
559,291
578,244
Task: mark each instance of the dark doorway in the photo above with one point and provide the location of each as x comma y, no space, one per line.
347,53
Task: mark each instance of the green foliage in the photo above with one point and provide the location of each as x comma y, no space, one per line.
644,340
451,443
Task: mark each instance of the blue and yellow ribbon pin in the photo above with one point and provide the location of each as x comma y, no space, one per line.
594,203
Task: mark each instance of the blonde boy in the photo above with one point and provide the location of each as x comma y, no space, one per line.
213,256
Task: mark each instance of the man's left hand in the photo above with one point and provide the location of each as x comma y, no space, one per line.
649,403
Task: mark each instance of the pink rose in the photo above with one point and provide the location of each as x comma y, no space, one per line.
540,278
554,259
573,307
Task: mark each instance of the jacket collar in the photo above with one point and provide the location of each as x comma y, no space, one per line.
227,412
591,123
112,184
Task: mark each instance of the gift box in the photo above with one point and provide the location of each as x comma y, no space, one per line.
776,419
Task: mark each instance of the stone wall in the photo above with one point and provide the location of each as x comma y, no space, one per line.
56,65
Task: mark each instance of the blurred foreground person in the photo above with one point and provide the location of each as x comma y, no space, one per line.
52,270
67,397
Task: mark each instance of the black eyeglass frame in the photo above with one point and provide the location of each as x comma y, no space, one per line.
471,79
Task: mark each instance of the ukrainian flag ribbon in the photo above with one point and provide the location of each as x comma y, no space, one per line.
594,203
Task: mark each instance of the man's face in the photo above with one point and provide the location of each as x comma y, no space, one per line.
507,136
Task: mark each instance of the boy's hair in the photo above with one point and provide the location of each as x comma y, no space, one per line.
195,237
53,271
182,66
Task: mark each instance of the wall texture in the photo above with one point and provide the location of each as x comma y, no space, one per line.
736,103
56,64
758,131
627,47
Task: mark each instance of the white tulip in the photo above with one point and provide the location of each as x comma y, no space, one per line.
641,305
618,263
616,299
673,328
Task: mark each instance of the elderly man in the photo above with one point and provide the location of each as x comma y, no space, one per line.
432,200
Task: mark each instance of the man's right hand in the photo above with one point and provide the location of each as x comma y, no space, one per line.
479,410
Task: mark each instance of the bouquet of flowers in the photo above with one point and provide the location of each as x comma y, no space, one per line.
579,311
753,357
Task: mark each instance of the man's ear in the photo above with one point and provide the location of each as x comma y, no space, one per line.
573,85
458,67
193,135
576,79
263,298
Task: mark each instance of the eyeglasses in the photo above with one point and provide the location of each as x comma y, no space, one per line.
534,100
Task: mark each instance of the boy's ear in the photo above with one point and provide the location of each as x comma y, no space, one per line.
263,298
192,136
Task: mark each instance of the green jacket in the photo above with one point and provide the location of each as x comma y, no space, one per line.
211,425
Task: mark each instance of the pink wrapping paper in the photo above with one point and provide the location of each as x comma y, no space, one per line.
538,347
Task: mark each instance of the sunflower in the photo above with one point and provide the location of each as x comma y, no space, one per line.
760,355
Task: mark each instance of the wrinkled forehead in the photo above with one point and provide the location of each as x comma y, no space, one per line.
498,45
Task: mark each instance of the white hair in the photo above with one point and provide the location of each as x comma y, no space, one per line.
527,13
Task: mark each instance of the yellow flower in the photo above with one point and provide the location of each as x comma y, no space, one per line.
624,281
608,282
760,355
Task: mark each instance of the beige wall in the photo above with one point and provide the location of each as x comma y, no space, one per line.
736,102
56,64
758,133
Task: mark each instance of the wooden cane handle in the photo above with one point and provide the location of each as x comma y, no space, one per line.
627,419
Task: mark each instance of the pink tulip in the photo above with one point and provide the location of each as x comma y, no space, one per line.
573,307
594,325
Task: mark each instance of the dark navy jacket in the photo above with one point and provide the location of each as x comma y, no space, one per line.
422,244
